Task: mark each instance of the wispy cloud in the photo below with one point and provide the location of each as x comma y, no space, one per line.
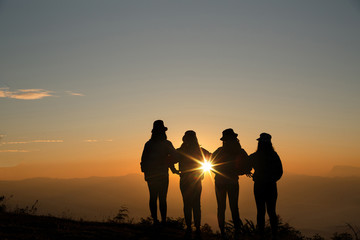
47,141
25,94
14,151
75,93
34,141
25,142
2,92
96,140
31,94
15,142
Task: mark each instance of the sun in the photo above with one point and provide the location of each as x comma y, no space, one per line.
206,166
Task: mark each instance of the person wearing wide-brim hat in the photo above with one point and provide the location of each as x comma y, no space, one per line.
230,161
155,161
267,171
190,157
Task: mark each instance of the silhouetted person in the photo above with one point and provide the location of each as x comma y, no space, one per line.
268,170
230,160
190,157
155,161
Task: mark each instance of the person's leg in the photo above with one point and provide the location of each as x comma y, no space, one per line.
234,206
271,207
197,204
153,200
164,184
187,198
260,206
220,190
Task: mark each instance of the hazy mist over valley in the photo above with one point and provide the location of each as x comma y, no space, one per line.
312,204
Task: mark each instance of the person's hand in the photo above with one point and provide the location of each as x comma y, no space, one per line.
250,175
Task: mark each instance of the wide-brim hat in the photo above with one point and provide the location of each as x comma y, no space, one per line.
264,137
158,126
228,134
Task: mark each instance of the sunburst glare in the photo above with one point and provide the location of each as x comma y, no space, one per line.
206,166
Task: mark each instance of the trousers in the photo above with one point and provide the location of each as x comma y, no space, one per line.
230,189
191,193
265,198
158,189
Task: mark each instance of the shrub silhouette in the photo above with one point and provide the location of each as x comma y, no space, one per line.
2,204
206,228
176,223
122,216
18,210
248,230
342,236
355,231
317,237
27,210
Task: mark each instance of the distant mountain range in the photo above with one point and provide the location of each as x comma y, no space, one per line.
345,171
311,204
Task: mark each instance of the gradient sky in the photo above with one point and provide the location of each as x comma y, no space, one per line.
81,82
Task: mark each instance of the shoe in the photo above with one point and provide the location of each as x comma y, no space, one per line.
188,233
198,233
156,222
163,222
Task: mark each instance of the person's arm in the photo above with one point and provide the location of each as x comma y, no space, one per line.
247,164
278,167
251,165
215,157
206,154
172,158
243,163
144,158
173,155
174,170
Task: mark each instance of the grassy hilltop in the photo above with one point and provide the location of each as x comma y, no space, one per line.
23,224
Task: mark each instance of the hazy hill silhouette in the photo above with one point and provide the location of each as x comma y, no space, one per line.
345,171
311,204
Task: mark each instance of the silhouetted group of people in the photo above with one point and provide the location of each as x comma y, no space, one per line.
228,162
